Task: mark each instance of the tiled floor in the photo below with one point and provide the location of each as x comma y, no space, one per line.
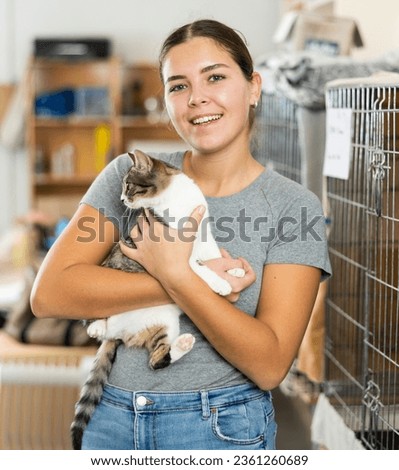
293,418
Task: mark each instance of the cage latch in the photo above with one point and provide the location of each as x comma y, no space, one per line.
371,399
377,168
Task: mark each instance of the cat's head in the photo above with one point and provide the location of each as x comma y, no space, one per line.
145,180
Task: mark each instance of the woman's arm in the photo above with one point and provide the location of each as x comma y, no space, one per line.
263,347
72,284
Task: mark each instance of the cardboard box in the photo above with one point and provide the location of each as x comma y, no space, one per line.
324,7
329,35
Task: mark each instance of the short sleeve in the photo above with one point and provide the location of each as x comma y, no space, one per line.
300,235
104,193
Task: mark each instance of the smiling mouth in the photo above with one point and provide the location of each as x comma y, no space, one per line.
206,119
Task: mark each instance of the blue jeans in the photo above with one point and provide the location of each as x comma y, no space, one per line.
236,418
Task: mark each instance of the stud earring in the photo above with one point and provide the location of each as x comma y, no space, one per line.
255,105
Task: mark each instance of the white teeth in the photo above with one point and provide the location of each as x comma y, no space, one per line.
205,119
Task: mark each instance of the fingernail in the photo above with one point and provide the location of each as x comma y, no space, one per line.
201,209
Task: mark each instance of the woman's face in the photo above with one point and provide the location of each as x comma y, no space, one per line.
207,96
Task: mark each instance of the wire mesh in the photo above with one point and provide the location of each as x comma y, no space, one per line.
276,136
279,143
362,319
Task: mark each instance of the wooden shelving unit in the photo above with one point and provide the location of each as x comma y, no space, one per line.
142,89
86,142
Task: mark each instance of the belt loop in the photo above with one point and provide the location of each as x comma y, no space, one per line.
205,405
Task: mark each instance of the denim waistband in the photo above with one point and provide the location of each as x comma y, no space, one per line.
149,402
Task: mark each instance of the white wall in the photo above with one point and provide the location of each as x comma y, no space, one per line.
379,24
7,53
137,29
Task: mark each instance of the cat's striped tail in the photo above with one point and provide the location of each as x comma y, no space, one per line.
92,390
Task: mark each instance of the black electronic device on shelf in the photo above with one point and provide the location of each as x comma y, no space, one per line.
72,48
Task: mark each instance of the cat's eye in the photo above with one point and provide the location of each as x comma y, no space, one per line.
138,191
141,189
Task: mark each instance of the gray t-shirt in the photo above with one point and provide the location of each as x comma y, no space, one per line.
273,220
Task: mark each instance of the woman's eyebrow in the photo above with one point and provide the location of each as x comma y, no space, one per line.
175,77
208,68
212,67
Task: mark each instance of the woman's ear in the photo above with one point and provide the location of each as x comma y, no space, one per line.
256,89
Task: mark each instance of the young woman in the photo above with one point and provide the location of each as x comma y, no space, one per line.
217,396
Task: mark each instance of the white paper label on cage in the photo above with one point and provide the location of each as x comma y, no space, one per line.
338,152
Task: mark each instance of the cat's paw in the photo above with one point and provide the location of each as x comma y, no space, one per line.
181,346
97,329
221,286
214,281
237,272
184,342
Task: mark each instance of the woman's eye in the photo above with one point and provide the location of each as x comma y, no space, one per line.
177,87
216,78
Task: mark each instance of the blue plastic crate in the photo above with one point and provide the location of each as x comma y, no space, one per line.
92,101
59,103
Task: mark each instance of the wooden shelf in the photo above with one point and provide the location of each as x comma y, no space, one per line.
75,121
53,180
47,185
94,138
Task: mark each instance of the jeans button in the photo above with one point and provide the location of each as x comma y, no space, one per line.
141,401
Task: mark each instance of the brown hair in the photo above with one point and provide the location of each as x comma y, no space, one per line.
226,37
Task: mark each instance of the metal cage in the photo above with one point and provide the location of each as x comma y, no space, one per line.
362,319
276,136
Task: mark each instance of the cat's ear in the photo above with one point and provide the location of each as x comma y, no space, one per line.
141,161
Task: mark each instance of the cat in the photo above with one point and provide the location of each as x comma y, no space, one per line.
163,189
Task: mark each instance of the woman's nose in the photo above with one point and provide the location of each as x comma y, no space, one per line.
197,97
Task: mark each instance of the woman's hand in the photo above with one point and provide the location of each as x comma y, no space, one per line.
223,265
164,252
